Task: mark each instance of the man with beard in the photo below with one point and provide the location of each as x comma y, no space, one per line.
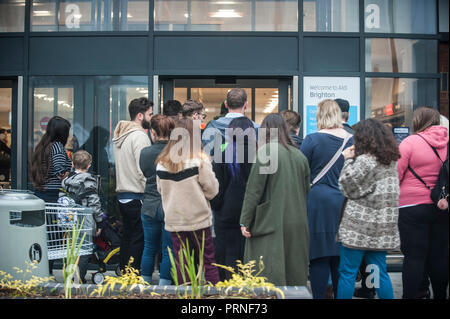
129,139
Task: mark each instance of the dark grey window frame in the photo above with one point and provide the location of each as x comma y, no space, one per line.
150,72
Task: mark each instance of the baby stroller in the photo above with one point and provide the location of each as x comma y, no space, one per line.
106,248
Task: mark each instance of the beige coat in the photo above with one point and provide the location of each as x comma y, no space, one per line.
185,195
129,139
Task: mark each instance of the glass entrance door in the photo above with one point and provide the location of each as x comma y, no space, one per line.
8,94
93,105
264,96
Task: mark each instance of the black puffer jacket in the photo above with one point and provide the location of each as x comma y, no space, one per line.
227,205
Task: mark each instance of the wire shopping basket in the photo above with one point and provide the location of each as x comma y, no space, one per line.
60,221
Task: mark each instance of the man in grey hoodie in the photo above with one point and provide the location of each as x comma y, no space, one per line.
129,139
214,134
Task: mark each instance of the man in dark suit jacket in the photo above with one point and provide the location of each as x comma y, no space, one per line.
345,106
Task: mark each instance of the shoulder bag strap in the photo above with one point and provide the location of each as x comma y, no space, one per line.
418,177
435,152
332,161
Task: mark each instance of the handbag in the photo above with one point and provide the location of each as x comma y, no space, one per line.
332,161
440,190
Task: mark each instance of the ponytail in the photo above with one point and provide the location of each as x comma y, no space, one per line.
162,125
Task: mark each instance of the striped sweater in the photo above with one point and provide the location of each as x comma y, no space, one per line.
370,217
186,194
60,164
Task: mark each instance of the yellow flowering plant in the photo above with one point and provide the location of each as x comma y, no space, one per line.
245,280
129,278
25,287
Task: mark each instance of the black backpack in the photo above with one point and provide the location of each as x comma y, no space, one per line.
440,190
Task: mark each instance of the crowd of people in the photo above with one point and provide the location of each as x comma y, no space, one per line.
336,203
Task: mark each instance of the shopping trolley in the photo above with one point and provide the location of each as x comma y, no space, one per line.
60,221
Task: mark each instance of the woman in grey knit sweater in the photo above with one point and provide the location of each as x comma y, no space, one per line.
368,228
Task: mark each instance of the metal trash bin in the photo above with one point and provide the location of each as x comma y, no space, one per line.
23,236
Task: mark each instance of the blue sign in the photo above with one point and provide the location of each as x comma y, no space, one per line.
400,133
311,122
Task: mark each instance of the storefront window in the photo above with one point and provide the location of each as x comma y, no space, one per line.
400,16
393,100
112,97
202,15
87,15
401,55
93,106
49,102
5,134
331,16
12,15
443,15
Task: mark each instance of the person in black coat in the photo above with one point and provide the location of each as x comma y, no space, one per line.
232,175
345,108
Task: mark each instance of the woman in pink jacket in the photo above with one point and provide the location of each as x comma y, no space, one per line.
424,230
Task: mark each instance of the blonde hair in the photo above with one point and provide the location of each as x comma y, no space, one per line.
81,159
328,115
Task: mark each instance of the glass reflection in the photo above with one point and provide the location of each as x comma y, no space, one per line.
401,55
393,100
331,16
244,15
90,15
12,15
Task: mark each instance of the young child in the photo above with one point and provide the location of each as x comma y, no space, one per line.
186,185
82,187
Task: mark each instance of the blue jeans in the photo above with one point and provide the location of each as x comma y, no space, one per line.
156,239
348,269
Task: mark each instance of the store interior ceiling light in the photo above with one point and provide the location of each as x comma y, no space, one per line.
270,108
44,13
225,13
225,2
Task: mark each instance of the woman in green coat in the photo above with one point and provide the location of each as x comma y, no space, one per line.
274,218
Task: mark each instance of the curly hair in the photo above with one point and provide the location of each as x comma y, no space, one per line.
373,137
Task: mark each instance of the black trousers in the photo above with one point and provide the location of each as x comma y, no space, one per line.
229,247
424,232
132,243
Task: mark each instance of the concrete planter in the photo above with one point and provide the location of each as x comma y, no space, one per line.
290,292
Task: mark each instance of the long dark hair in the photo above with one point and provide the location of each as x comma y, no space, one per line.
373,137
424,117
277,121
57,131
232,164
